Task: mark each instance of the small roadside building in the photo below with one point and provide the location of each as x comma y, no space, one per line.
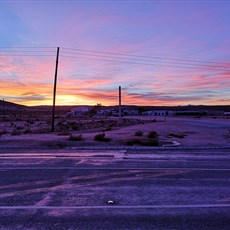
80,111
131,112
162,113
105,112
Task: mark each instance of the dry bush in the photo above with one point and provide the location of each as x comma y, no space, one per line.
134,142
64,133
152,142
153,135
74,126
101,137
137,142
73,137
176,135
27,131
19,127
138,133
3,132
16,133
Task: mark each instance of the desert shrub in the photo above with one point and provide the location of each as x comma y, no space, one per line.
27,131
137,142
63,133
134,142
74,126
152,134
151,142
16,132
138,133
3,132
73,137
177,135
31,122
101,137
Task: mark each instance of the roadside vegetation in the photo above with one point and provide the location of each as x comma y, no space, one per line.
73,137
101,137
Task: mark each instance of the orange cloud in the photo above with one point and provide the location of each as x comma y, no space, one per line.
29,80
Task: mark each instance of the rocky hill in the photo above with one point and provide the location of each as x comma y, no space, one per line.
11,106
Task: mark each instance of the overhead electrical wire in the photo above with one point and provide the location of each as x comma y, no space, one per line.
114,57
144,60
23,55
28,47
149,61
110,53
144,63
147,57
26,51
23,51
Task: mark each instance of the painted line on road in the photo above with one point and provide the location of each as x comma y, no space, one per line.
126,157
119,206
53,156
101,168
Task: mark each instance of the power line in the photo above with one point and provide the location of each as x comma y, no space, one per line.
28,47
109,53
114,58
143,63
29,55
27,51
148,57
141,60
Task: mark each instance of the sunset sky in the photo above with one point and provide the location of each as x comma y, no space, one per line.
159,52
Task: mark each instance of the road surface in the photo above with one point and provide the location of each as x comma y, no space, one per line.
157,189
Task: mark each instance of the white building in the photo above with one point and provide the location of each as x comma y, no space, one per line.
79,111
159,113
105,112
132,112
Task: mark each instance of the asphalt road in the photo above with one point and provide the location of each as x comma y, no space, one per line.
162,189
211,123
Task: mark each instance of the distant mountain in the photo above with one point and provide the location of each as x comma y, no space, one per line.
11,105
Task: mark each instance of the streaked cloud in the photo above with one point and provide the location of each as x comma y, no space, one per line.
171,34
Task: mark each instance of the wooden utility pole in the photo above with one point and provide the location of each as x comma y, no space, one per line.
119,104
54,92
3,109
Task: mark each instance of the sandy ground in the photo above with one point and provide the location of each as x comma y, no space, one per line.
189,132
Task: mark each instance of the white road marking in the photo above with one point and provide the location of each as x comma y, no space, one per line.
119,206
102,168
117,155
